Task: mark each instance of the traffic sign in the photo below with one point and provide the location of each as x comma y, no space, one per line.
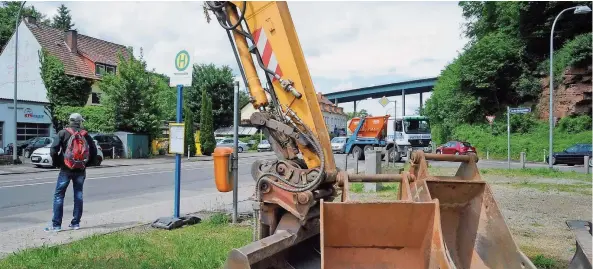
490,119
182,74
384,101
520,110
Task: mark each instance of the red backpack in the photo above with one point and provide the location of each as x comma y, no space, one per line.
77,152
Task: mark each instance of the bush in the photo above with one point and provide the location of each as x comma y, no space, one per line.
575,124
533,143
576,52
96,118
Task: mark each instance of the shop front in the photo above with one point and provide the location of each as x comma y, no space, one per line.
32,121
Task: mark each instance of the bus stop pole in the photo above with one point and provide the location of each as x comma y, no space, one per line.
236,152
177,155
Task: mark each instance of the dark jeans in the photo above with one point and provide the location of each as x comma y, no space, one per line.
64,178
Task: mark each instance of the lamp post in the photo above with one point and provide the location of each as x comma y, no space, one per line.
577,10
16,56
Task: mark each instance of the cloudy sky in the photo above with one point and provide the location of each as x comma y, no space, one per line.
346,44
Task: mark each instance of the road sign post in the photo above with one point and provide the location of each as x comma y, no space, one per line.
491,120
509,137
515,110
180,77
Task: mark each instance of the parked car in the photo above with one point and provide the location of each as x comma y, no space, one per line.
572,155
264,145
228,142
338,144
39,142
20,146
456,147
109,143
41,157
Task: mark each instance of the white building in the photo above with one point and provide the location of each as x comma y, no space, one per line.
334,116
82,56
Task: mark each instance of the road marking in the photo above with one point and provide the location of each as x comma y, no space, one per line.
105,177
187,167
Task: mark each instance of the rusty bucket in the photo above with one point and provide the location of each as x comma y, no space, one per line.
437,222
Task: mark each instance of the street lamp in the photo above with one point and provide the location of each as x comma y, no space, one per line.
16,56
577,10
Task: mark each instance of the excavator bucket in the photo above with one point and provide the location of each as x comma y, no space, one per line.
437,222
582,256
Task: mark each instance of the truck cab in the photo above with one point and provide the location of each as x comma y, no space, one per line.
408,132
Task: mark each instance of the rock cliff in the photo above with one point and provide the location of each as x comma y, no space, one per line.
571,97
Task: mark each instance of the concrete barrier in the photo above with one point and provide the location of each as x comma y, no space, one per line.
372,165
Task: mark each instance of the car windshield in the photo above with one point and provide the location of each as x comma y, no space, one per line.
465,144
338,140
264,142
417,126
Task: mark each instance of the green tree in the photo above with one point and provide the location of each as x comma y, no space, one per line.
63,20
96,119
131,96
361,113
167,98
218,82
243,99
504,62
207,140
8,13
190,139
62,89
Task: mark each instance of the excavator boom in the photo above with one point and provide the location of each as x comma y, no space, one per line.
437,221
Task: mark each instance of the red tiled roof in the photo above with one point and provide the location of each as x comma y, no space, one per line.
95,50
327,106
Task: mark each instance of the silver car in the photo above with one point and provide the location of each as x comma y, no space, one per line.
229,142
338,144
264,145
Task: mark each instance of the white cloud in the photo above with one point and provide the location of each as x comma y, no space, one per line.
343,86
343,43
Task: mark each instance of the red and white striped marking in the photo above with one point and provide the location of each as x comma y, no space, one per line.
267,54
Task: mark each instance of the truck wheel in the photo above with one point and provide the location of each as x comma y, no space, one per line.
393,155
368,148
358,151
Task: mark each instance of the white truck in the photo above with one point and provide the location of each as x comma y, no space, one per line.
407,132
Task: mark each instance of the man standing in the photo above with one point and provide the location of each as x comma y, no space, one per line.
72,149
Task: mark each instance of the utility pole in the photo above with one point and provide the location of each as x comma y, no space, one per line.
15,159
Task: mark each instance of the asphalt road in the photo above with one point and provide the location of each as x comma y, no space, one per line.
114,188
105,189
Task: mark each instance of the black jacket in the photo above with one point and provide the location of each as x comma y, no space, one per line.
60,144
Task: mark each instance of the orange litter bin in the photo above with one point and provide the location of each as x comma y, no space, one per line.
222,168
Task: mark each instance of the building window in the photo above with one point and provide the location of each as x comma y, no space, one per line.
95,98
1,132
101,69
25,131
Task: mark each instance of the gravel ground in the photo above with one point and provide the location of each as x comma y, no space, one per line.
536,218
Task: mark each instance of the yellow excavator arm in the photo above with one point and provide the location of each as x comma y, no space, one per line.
270,43
436,222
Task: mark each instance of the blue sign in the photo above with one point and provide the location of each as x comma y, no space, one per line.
520,110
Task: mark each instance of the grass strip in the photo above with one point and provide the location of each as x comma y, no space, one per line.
205,245
536,172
